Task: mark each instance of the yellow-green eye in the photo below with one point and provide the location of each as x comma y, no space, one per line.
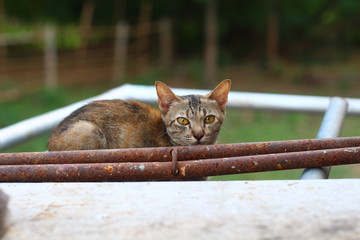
209,119
183,121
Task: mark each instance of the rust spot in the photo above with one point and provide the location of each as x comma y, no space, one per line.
183,170
109,169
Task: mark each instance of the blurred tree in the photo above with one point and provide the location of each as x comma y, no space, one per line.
86,19
119,11
143,31
245,28
2,29
211,50
272,35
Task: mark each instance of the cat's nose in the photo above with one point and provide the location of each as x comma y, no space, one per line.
198,135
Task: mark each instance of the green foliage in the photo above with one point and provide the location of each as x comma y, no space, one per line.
196,70
68,37
149,78
305,26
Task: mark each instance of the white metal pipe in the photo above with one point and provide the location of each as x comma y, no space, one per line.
330,127
249,100
333,119
38,125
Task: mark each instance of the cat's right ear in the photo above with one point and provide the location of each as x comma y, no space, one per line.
165,96
220,94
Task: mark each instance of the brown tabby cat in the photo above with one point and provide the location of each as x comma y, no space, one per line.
185,120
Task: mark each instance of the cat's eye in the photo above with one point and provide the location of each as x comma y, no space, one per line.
182,121
209,119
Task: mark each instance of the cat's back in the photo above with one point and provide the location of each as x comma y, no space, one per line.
107,124
107,112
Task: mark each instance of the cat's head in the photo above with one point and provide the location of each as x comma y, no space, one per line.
193,119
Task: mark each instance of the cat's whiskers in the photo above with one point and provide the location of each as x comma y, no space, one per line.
228,131
163,134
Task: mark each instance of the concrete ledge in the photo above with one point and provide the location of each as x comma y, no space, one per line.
312,209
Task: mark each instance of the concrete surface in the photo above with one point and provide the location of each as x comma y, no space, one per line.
310,209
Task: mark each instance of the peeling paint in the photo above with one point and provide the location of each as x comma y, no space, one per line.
183,170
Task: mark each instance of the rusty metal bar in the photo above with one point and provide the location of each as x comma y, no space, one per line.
187,169
162,154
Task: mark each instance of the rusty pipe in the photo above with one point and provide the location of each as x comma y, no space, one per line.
186,169
162,154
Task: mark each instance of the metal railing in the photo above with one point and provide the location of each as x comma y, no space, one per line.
335,111
185,162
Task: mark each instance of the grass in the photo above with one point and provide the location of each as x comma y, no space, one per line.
239,126
38,103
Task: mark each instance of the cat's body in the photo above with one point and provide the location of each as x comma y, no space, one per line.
110,124
107,124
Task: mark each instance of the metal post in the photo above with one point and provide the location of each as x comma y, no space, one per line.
330,127
50,57
120,51
166,43
211,47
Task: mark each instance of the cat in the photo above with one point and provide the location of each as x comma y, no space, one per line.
111,124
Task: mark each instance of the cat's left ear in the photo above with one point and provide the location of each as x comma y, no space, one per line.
220,94
165,96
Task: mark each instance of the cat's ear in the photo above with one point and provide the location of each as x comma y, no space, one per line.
165,96
220,94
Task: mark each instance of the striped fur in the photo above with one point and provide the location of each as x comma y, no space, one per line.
109,124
